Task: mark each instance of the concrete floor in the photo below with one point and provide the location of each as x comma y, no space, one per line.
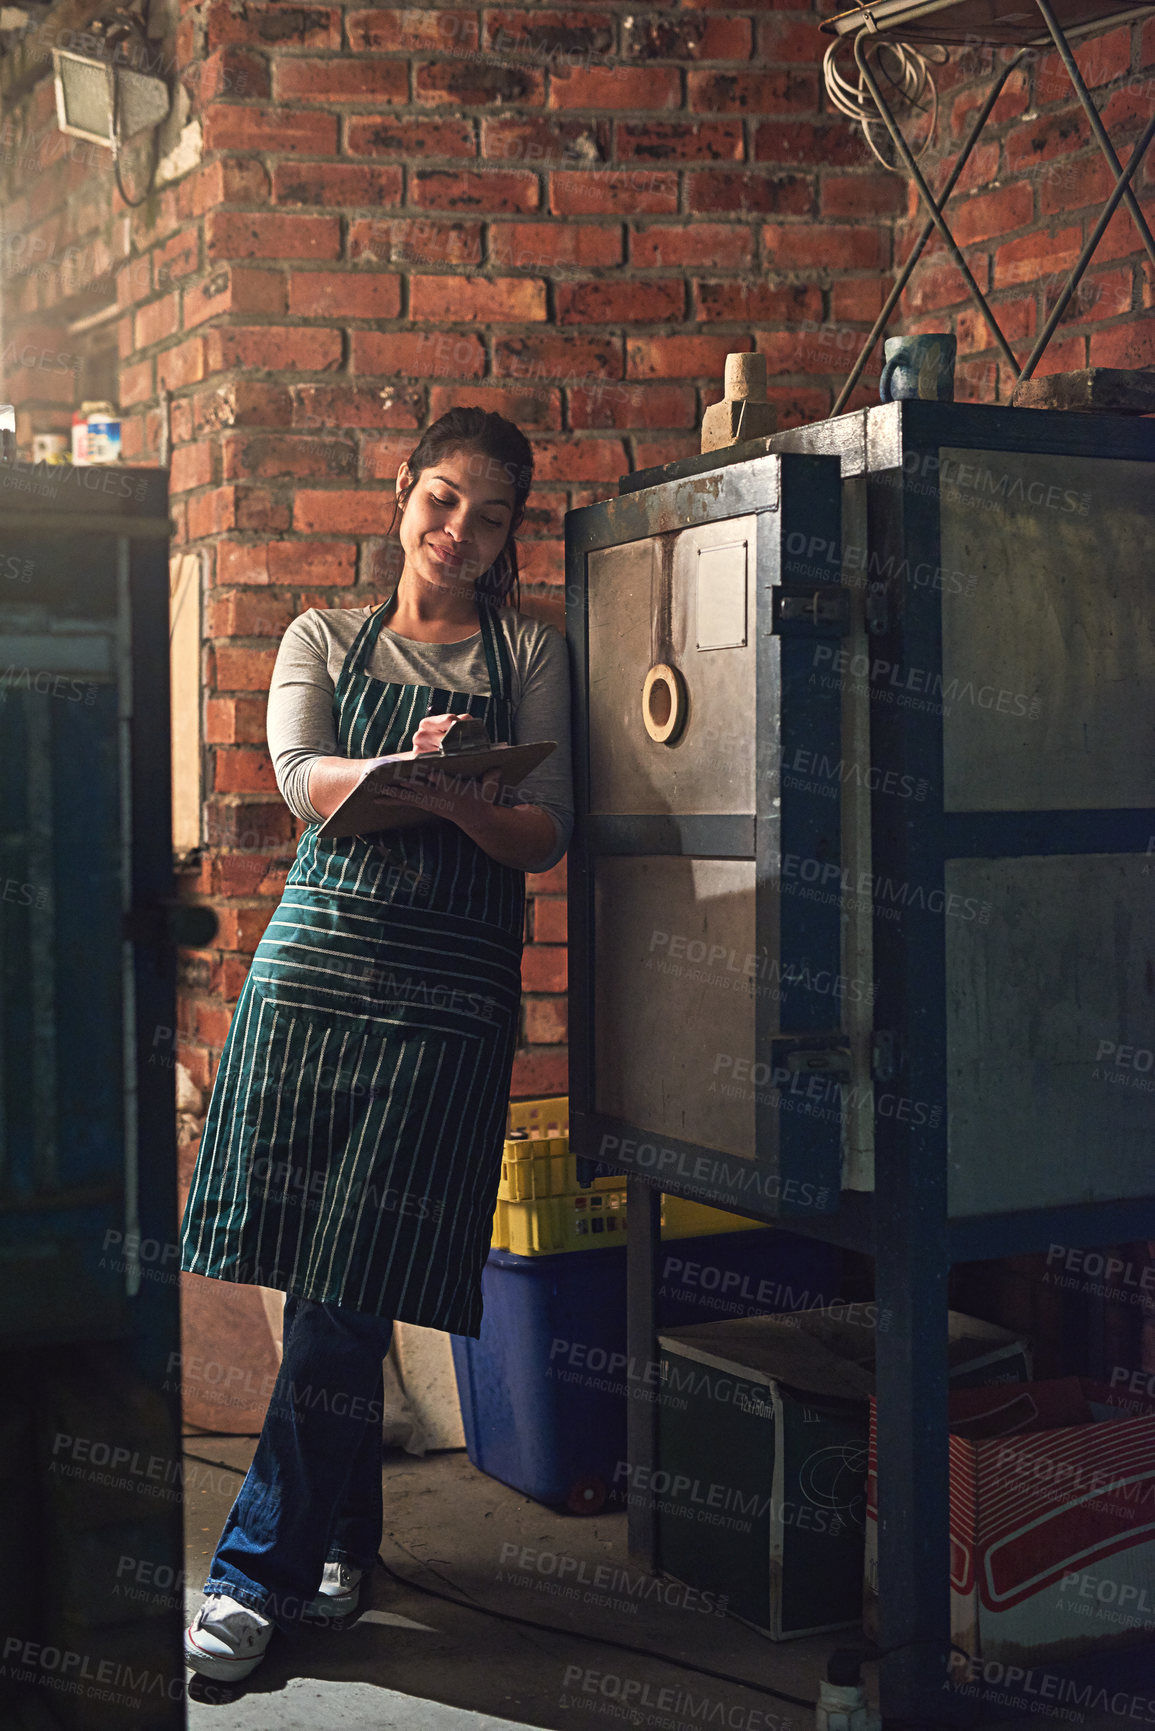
413,1661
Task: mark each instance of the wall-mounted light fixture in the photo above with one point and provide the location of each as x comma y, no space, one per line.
100,94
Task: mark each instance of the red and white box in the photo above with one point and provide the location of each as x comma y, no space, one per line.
1052,1520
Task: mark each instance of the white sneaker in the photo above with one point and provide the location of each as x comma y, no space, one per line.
226,1639
338,1593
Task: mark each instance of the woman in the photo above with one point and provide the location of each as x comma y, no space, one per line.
352,1145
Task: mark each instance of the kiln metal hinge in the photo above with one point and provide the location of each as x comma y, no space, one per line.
810,610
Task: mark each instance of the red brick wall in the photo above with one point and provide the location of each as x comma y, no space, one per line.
1028,198
568,216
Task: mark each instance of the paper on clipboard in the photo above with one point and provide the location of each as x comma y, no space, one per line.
365,809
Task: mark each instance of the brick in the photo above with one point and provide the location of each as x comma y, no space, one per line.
283,26
610,404
409,137
786,41
687,37
549,920
240,235
991,215
240,669
329,406
155,322
177,258
348,184
234,289
606,192
411,31
330,294
182,365
191,466
546,140
938,282
478,84
248,613
860,195
546,245
680,141
380,459
555,356
242,769
273,347
800,142
235,720
335,80
242,403
617,88
1016,320
1034,255
1103,296
808,246
719,245
579,459
496,300
858,298
314,562
1012,102
757,302
545,1020
764,94
232,71
1104,58
544,968
1126,345
211,513
1062,356
680,357
658,300
227,180
262,511
559,39
798,405
269,456
407,241
1051,135
755,193
493,191
1121,237
1071,185
417,355
355,511
538,407
228,126
539,1074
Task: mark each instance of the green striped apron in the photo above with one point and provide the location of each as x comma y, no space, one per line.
352,1144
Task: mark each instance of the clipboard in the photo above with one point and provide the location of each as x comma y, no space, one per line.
363,811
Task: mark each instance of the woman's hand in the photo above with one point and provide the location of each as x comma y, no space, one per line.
432,731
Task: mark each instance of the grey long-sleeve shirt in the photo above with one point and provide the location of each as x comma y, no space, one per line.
300,725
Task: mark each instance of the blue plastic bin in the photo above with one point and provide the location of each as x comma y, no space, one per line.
545,1391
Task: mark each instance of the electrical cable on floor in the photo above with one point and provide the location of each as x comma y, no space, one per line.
466,1604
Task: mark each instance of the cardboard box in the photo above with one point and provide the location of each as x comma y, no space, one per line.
763,1426
1052,1521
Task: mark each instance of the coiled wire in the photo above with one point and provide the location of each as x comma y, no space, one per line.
908,74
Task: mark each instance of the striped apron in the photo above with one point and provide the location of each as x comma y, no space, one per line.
352,1145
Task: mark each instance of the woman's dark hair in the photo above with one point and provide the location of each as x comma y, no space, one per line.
508,451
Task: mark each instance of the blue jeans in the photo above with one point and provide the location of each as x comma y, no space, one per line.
313,1492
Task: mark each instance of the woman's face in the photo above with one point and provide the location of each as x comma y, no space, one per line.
456,518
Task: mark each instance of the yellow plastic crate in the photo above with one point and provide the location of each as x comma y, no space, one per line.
541,1209
582,1220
